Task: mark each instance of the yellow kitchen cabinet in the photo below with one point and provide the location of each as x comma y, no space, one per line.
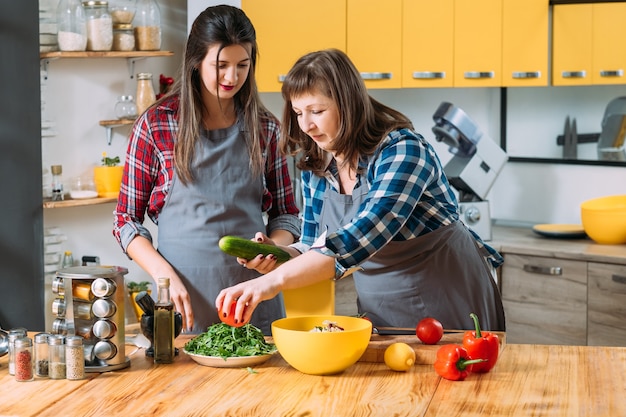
374,41
477,43
525,41
607,305
288,29
572,44
609,43
427,43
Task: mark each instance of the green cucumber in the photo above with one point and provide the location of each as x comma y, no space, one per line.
248,249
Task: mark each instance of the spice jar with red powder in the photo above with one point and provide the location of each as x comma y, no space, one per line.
24,364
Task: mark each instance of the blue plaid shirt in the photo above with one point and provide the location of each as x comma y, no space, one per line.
409,196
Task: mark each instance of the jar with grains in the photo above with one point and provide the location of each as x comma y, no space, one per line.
123,37
56,357
122,11
147,26
71,24
74,358
24,365
145,92
99,25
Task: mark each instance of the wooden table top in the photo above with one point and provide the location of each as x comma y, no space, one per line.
535,380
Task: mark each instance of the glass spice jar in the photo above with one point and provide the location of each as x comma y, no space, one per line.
14,334
56,357
74,358
145,92
148,25
99,25
123,37
24,368
125,108
41,355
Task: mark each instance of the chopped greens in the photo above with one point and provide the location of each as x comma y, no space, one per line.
226,341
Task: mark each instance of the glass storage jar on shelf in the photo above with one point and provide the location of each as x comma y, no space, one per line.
99,25
71,24
145,91
122,11
125,108
123,37
147,24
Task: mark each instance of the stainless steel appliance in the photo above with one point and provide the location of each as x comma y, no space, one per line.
473,169
611,146
90,303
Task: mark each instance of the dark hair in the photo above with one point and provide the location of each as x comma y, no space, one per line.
224,26
364,121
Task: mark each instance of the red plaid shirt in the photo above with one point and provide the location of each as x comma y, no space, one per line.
150,168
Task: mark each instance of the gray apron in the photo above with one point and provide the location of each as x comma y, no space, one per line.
224,199
441,274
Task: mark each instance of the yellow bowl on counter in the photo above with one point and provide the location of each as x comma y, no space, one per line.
604,219
321,353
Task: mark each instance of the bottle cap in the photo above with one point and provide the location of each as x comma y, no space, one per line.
164,282
144,76
56,169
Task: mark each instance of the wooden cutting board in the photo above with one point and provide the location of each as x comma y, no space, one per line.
424,354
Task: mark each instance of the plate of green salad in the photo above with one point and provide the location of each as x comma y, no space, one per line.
224,346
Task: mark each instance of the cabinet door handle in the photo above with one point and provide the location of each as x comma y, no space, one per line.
574,74
281,78
427,75
478,74
620,279
376,75
526,74
612,73
544,270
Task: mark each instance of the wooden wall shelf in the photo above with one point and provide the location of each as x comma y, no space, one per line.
77,203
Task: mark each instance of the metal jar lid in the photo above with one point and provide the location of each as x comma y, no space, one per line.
92,272
103,307
104,329
23,342
104,350
56,339
58,286
41,338
58,326
58,307
103,287
74,341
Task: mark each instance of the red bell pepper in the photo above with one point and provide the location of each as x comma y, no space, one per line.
453,363
483,345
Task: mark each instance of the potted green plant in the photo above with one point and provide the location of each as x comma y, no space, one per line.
108,176
135,288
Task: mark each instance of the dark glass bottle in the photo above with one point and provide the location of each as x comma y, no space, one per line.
164,324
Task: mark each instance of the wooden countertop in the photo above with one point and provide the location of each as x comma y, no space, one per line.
523,241
536,380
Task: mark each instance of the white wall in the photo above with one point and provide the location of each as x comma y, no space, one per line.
79,93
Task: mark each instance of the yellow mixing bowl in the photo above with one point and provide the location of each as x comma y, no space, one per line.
604,219
321,353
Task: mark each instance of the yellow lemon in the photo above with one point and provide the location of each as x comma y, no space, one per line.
399,356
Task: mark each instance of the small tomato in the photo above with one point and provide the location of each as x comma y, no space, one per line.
429,331
230,317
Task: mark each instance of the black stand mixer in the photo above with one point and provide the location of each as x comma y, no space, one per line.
473,169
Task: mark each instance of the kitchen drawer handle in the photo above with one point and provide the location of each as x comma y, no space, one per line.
479,74
612,73
544,270
526,74
620,279
574,74
428,75
376,75
281,78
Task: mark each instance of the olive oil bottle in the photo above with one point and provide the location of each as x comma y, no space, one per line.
164,324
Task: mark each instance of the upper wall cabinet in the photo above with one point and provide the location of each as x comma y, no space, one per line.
525,42
284,35
477,43
427,43
374,41
589,44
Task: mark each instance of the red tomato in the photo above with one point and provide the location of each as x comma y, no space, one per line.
230,318
429,331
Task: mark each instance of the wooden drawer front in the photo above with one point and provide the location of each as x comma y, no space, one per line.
545,300
606,325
